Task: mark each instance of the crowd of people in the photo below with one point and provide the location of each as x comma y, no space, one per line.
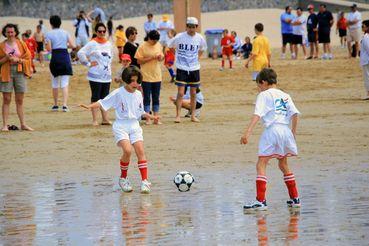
140,77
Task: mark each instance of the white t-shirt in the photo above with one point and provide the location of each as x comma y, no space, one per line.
127,105
275,106
299,29
164,33
352,16
187,50
82,33
58,38
364,50
103,55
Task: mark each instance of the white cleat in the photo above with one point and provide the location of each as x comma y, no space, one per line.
145,187
256,206
125,185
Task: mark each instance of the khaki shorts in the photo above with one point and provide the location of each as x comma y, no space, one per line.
17,82
354,35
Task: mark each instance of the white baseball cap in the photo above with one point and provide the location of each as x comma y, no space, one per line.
192,21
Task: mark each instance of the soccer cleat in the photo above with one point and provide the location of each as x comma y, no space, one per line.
55,108
221,69
65,109
145,187
256,205
294,203
125,185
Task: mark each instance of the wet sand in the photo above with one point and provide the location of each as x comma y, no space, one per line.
58,185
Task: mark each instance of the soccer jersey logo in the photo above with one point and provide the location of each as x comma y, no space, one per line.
281,106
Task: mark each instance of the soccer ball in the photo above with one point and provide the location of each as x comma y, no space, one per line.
183,181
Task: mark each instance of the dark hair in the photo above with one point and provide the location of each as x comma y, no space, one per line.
299,8
323,5
365,23
234,33
119,27
259,27
287,7
149,15
39,26
10,25
153,35
131,71
225,31
130,31
25,35
268,75
41,22
55,21
99,25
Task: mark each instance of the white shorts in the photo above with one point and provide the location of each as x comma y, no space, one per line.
127,130
277,141
354,35
81,41
60,81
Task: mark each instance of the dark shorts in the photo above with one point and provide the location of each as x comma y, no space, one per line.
40,47
312,37
198,105
324,36
342,33
287,38
190,78
297,39
99,90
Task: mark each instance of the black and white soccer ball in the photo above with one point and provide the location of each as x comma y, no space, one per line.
183,180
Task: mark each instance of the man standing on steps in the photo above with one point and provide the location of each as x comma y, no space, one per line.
189,46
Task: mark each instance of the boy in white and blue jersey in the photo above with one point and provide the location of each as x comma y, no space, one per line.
188,46
277,110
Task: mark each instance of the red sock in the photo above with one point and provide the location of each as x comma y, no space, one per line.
289,179
230,64
261,182
123,169
142,165
222,63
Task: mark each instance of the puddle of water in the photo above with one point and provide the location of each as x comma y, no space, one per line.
94,211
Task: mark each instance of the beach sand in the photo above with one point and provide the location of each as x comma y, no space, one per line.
59,183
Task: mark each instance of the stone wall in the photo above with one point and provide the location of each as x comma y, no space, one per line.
67,9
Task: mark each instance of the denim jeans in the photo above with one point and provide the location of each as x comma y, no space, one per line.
151,91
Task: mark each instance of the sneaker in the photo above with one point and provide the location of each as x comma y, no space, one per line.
125,185
145,187
330,56
294,203
55,108
188,115
256,205
65,109
173,80
221,69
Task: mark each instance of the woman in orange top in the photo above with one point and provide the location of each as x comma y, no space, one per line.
341,28
15,62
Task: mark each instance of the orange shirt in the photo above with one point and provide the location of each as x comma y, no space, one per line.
227,40
342,23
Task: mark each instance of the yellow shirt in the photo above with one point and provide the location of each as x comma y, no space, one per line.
120,38
151,71
260,48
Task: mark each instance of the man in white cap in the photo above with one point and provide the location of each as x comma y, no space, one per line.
354,29
189,46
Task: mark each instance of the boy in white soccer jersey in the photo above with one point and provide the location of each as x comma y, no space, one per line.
277,111
128,104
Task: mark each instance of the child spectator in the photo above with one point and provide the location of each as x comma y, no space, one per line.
169,57
32,46
186,102
246,48
341,28
126,62
227,43
120,40
40,39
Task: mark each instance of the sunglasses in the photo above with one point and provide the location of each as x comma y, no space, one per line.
101,31
191,26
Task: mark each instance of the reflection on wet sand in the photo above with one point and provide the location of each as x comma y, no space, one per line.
291,232
93,211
